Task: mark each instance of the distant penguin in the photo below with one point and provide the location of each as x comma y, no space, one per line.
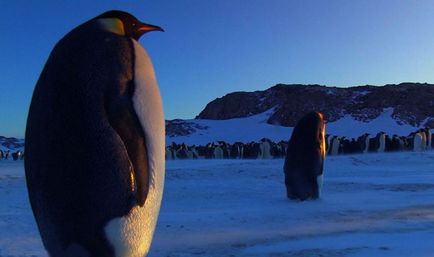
334,146
169,153
346,146
388,144
396,144
237,150
209,151
381,137
225,148
276,150
418,142
341,145
193,151
365,144
182,152
15,155
252,151
265,148
423,134
218,152
428,138
305,158
190,154
95,142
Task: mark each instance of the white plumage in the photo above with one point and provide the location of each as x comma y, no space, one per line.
131,235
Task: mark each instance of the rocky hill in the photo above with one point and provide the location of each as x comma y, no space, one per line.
412,103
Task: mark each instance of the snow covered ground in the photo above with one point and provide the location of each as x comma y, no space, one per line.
372,205
255,127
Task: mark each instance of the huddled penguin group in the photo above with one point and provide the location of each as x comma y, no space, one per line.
95,141
265,149
417,141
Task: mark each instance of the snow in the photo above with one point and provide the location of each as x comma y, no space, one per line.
18,232
349,127
254,128
371,205
357,94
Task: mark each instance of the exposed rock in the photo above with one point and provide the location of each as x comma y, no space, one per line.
413,103
179,127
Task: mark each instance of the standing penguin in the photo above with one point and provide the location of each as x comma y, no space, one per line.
265,147
428,138
334,146
95,142
381,142
418,142
305,158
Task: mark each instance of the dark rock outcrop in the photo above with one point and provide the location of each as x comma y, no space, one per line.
179,127
412,103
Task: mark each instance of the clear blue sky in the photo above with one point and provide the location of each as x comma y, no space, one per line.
213,47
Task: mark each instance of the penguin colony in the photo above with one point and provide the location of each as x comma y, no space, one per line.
95,142
419,140
334,146
17,155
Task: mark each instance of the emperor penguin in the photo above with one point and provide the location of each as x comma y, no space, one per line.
381,141
366,143
305,156
334,146
418,141
218,152
423,133
265,148
428,138
95,143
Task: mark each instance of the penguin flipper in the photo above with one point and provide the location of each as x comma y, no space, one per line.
123,119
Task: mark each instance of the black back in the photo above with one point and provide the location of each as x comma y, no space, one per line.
305,157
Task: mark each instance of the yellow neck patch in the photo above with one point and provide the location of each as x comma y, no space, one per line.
112,25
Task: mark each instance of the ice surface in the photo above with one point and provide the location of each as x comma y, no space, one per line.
371,205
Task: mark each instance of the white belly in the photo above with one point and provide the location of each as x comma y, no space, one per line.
335,149
417,142
131,235
218,153
382,147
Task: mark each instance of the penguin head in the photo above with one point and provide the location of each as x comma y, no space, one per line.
125,24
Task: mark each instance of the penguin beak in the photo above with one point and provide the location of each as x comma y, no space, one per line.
144,28
148,27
